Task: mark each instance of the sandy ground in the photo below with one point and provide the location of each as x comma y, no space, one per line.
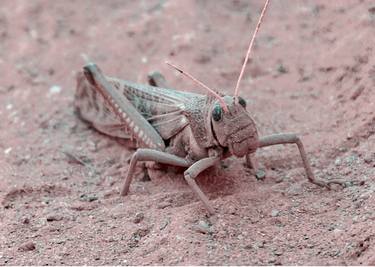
313,73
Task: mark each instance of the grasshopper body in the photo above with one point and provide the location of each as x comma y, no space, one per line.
177,128
173,127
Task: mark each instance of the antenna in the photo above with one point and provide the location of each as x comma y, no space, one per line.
250,48
221,100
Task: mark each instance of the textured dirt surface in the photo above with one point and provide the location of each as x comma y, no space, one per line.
313,73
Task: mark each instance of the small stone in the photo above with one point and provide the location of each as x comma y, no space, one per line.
164,224
310,245
248,246
82,206
138,217
275,213
272,260
282,69
365,195
88,198
261,245
357,92
54,217
60,241
25,220
337,231
164,205
368,159
28,246
279,179
278,253
338,162
55,89
295,189
202,227
351,159
137,236
260,174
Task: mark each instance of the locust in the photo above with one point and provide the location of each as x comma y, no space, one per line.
179,128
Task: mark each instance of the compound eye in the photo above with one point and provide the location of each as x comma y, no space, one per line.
242,101
217,113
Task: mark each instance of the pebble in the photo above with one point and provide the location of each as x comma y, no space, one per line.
310,245
81,207
138,217
28,246
164,224
295,189
260,174
88,198
275,213
260,244
55,89
279,179
164,205
54,217
7,151
278,253
60,241
351,159
282,69
272,260
343,149
368,159
202,227
25,220
248,246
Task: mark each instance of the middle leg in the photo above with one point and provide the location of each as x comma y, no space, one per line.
145,154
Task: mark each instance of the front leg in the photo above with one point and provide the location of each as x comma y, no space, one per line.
287,138
193,171
144,154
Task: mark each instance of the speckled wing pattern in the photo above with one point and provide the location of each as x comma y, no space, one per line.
163,108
